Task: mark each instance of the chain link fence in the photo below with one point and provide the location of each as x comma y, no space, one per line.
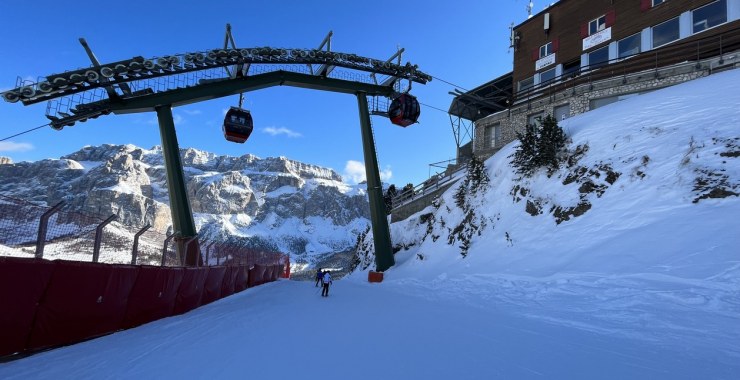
31,230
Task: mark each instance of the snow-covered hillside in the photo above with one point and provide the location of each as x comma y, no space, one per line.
623,265
638,235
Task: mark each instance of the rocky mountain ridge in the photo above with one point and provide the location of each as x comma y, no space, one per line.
287,205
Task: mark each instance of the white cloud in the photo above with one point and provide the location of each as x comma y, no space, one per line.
354,172
386,174
192,112
9,146
275,131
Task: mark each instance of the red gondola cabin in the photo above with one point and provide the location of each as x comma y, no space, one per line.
237,125
404,110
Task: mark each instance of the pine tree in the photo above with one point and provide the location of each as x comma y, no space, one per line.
551,143
526,153
539,147
477,177
388,197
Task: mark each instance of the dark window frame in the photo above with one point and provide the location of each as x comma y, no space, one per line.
521,88
706,23
591,64
677,31
638,37
549,80
547,49
596,25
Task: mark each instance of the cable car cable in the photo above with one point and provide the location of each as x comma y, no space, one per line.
451,84
24,132
433,107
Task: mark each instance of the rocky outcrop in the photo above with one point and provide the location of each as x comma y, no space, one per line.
226,193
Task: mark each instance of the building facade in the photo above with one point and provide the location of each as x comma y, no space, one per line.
579,55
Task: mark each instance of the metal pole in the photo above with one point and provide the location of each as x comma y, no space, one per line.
182,216
41,237
187,245
378,216
208,253
135,249
99,236
164,248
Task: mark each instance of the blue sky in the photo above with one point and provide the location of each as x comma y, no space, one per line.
464,42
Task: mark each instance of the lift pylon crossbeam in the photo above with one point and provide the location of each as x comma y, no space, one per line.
136,69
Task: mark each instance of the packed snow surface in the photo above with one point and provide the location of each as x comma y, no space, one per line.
644,285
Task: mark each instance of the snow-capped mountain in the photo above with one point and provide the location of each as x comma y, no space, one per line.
277,203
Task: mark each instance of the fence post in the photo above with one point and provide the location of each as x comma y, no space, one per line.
164,248
187,246
41,237
99,236
135,250
208,253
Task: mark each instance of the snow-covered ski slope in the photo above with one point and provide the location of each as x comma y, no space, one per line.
644,285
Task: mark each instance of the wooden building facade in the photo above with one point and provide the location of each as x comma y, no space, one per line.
577,55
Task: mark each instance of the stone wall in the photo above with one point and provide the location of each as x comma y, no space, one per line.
420,202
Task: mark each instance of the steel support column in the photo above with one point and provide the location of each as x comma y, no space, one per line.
182,216
378,216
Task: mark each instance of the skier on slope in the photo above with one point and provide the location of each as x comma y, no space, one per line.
326,281
319,275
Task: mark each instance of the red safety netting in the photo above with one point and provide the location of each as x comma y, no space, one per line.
229,282
242,278
191,290
82,300
153,295
22,284
51,303
213,285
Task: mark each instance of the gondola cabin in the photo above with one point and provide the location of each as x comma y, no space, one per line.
237,125
404,110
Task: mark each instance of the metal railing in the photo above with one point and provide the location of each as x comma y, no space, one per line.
434,183
680,51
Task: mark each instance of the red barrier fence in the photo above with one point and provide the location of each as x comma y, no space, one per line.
51,303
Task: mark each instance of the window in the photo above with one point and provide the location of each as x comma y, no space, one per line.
571,69
597,25
546,49
656,2
535,119
547,76
665,32
491,135
629,46
598,57
709,15
526,84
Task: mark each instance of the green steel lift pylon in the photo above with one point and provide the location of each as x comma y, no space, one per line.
378,215
127,84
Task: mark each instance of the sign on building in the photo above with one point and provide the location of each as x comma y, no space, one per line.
597,38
